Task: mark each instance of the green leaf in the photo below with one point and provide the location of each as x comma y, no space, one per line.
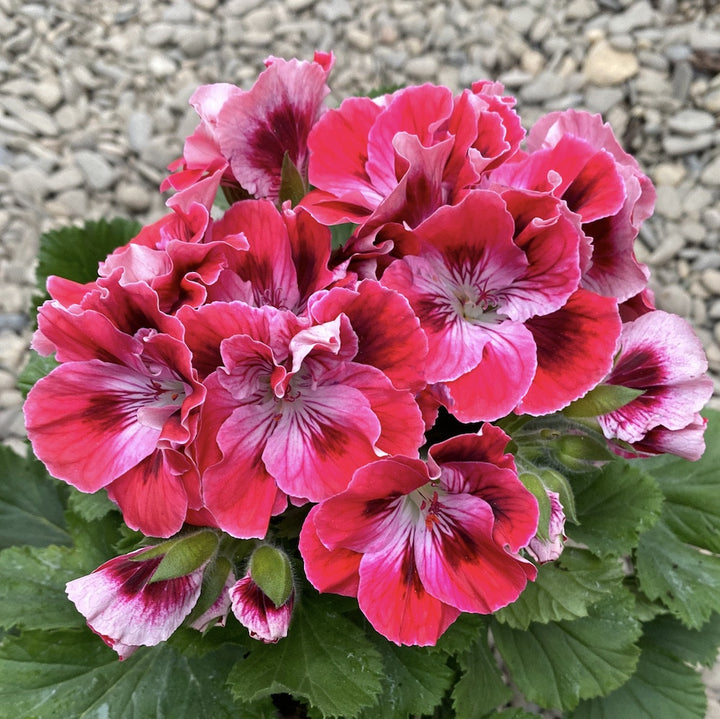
341,234
662,687
694,646
535,486
31,509
462,634
292,186
564,589
692,491
56,675
602,399
514,713
74,252
683,578
90,507
481,687
613,507
325,659
36,368
32,592
415,681
558,664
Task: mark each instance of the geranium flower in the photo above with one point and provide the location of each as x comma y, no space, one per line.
244,136
126,608
387,164
288,412
473,286
119,410
576,157
662,357
423,542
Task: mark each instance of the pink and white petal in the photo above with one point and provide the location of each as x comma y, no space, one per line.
688,442
152,495
658,348
672,407
401,423
416,110
256,129
458,560
373,512
310,245
392,597
551,240
238,490
328,570
514,508
575,350
499,382
268,263
82,422
126,611
320,441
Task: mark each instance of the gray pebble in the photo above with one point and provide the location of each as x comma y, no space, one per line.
668,202
679,145
543,87
706,40
98,173
135,198
668,248
335,10
691,122
139,130
711,174
711,280
674,299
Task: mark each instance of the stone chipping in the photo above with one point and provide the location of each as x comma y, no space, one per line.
94,105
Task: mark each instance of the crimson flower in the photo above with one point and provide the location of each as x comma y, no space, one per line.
419,543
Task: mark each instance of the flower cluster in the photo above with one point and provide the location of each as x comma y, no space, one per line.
225,366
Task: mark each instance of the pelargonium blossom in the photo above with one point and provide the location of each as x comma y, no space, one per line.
288,411
473,287
122,406
244,136
388,163
661,357
575,156
418,543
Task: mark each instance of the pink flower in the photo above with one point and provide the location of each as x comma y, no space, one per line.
549,547
576,157
243,136
257,612
387,164
289,411
121,407
661,357
419,543
263,600
473,293
126,608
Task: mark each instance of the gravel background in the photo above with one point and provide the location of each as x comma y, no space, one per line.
93,106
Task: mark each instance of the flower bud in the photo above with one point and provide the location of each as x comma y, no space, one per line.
263,599
125,603
549,547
